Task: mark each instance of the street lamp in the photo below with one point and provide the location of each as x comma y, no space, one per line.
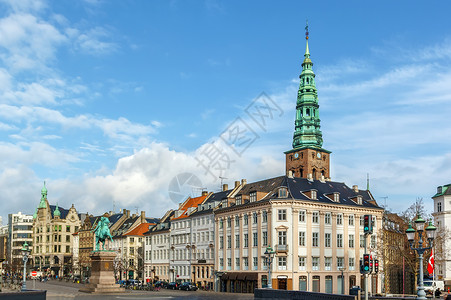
25,251
430,234
270,255
342,279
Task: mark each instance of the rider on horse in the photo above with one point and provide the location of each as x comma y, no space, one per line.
102,232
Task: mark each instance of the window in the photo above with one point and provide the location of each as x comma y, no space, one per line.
315,239
315,263
302,238
302,216
351,241
362,241
282,262
327,218
340,262
246,240
221,263
439,206
265,216
327,263
253,196
229,242
339,219
339,240
255,263
315,217
329,284
221,224
67,228
327,240
237,262
238,200
221,242
316,283
229,222
351,263
283,193
265,238
246,219
282,237
254,218
229,263
246,262
282,214
237,241
302,260
361,221
351,220
303,283
237,221
336,197
254,239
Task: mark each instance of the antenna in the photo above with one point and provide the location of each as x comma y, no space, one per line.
136,208
385,201
196,190
367,181
222,179
114,207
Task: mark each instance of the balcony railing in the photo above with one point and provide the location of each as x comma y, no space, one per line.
281,248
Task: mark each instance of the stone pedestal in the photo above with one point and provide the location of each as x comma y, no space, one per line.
102,274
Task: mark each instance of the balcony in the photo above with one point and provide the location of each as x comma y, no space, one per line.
281,248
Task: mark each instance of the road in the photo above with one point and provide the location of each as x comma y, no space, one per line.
67,290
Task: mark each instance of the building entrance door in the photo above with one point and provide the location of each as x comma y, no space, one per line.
282,283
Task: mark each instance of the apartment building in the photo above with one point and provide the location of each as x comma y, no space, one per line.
19,231
157,251
53,229
180,239
313,226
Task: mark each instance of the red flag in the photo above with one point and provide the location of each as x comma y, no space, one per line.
431,262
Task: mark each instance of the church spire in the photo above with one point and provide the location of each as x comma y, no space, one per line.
307,158
307,131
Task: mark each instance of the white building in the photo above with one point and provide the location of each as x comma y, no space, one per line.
157,251
20,229
442,219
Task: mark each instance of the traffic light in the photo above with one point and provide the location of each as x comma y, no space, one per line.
368,224
371,264
366,263
376,266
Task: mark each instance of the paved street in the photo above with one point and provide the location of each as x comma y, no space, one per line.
67,290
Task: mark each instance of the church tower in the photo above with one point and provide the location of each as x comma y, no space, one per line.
307,159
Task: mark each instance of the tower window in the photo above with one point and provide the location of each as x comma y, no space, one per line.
439,206
307,112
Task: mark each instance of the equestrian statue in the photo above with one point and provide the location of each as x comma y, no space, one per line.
102,232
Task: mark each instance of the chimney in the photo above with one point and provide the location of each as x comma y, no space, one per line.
127,213
290,174
237,183
243,182
355,188
134,215
225,187
204,193
143,217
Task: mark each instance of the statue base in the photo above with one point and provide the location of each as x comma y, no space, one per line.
102,274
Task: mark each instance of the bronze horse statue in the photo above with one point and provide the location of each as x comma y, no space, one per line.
102,232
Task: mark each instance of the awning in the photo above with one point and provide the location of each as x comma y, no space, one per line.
252,276
233,276
225,276
241,276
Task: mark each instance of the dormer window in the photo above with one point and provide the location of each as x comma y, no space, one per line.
313,195
238,200
253,196
439,190
336,197
283,192
359,200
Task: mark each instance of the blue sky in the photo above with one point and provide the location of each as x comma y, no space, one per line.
108,101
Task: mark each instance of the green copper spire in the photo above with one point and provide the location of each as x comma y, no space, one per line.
307,131
57,212
43,197
35,215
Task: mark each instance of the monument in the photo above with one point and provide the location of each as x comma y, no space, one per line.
102,267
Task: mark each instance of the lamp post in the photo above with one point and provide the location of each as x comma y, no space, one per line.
270,255
430,234
25,251
342,280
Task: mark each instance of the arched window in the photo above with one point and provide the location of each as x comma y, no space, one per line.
314,173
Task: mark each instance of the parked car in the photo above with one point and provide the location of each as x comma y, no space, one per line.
161,284
172,285
188,286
